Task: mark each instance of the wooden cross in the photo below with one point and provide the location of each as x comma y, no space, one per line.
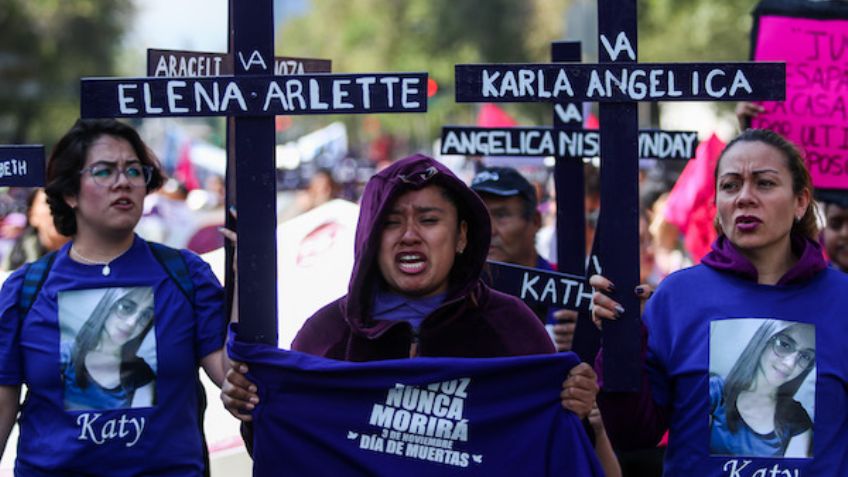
195,64
22,166
252,97
618,83
566,141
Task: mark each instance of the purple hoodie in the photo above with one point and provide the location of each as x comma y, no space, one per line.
625,412
473,320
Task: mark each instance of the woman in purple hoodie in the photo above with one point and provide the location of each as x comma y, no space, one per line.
415,289
765,265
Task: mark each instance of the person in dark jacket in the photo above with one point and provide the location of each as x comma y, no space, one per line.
416,290
515,220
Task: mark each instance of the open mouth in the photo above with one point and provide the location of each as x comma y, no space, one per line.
411,263
747,223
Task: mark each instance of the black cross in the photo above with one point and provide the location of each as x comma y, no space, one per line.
195,64
566,141
251,98
618,83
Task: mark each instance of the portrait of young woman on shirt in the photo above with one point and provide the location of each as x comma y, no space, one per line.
753,408
101,364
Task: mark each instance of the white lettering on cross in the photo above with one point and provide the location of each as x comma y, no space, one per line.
621,44
124,101
409,88
174,96
715,93
527,286
489,83
568,113
254,60
390,82
339,94
366,82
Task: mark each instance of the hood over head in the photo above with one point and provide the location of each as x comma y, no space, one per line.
408,174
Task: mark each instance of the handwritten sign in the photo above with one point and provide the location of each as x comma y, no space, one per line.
815,113
546,141
22,166
196,64
559,290
617,82
255,95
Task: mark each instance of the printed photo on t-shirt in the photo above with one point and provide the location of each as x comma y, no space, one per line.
762,388
108,348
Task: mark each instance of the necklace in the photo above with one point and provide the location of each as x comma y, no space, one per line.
106,268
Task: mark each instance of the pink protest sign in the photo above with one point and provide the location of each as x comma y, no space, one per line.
815,113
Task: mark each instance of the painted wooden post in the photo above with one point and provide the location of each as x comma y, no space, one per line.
568,142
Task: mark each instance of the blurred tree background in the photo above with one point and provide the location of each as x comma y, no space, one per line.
45,47
434,35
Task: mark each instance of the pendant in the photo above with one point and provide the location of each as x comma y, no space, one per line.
106,270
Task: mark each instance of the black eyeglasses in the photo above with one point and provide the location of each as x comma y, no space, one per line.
106,175
784,346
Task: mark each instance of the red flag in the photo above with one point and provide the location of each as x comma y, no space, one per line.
492,116
591,122
185,168
691,203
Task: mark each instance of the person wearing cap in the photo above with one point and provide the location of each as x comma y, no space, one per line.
511,201
835,234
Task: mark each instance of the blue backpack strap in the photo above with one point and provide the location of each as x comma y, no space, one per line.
175,265
36,273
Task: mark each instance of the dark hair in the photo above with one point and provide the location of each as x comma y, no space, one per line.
808,225
134,372
462,262
741,376
68,157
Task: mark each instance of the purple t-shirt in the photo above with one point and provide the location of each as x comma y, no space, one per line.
72,421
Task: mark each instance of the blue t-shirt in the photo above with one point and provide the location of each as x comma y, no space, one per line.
696,325
414,417
745,441
122,327
394,307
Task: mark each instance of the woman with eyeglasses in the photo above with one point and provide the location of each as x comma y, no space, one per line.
753,410
111,345
766,264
